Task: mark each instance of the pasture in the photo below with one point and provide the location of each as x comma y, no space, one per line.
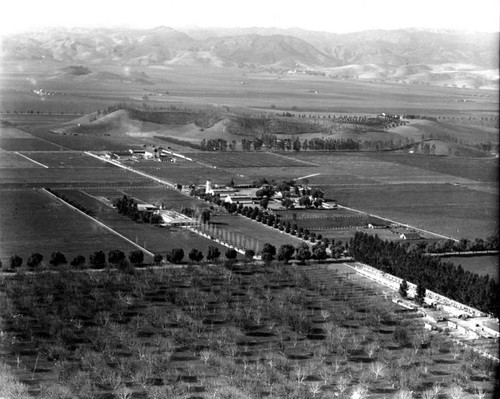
32,221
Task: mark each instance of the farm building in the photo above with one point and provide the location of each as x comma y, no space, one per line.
238,199
489,328
146,207
142,154
121,155
164,158
172,218
214,190
435,316
409,236
375,225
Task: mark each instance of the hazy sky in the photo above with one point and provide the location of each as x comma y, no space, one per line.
324,15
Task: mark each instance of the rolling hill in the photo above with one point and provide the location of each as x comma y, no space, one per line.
407,56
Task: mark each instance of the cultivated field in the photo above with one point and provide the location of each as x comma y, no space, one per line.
154,239
246,159
11,160
67,159
445,209
187,173
157,195
32,221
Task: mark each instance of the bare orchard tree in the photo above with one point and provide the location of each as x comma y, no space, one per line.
404,394
371,348
428,394
343,384
455,392
377,368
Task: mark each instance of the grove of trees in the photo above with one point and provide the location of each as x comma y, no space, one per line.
480,292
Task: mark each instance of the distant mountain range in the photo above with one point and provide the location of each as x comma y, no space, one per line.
394,54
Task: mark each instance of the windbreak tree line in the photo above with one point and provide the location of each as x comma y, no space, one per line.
480,292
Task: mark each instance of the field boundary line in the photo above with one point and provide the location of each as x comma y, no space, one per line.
305,177
100,223
167,183
32,160
399,223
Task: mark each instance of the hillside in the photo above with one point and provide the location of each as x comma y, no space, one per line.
405,56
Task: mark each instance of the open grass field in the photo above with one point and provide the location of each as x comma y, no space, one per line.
32,222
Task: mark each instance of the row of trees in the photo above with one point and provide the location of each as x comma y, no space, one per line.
295,144
71,202
116,258
464,245
444,278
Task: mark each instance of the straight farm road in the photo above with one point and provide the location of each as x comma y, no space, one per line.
167,183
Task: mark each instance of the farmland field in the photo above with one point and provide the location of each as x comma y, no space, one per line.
450,210
27,144
15,161
42,177
187,174
67,159
482,170
170,198
248,159
154,239
32,221
477,264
